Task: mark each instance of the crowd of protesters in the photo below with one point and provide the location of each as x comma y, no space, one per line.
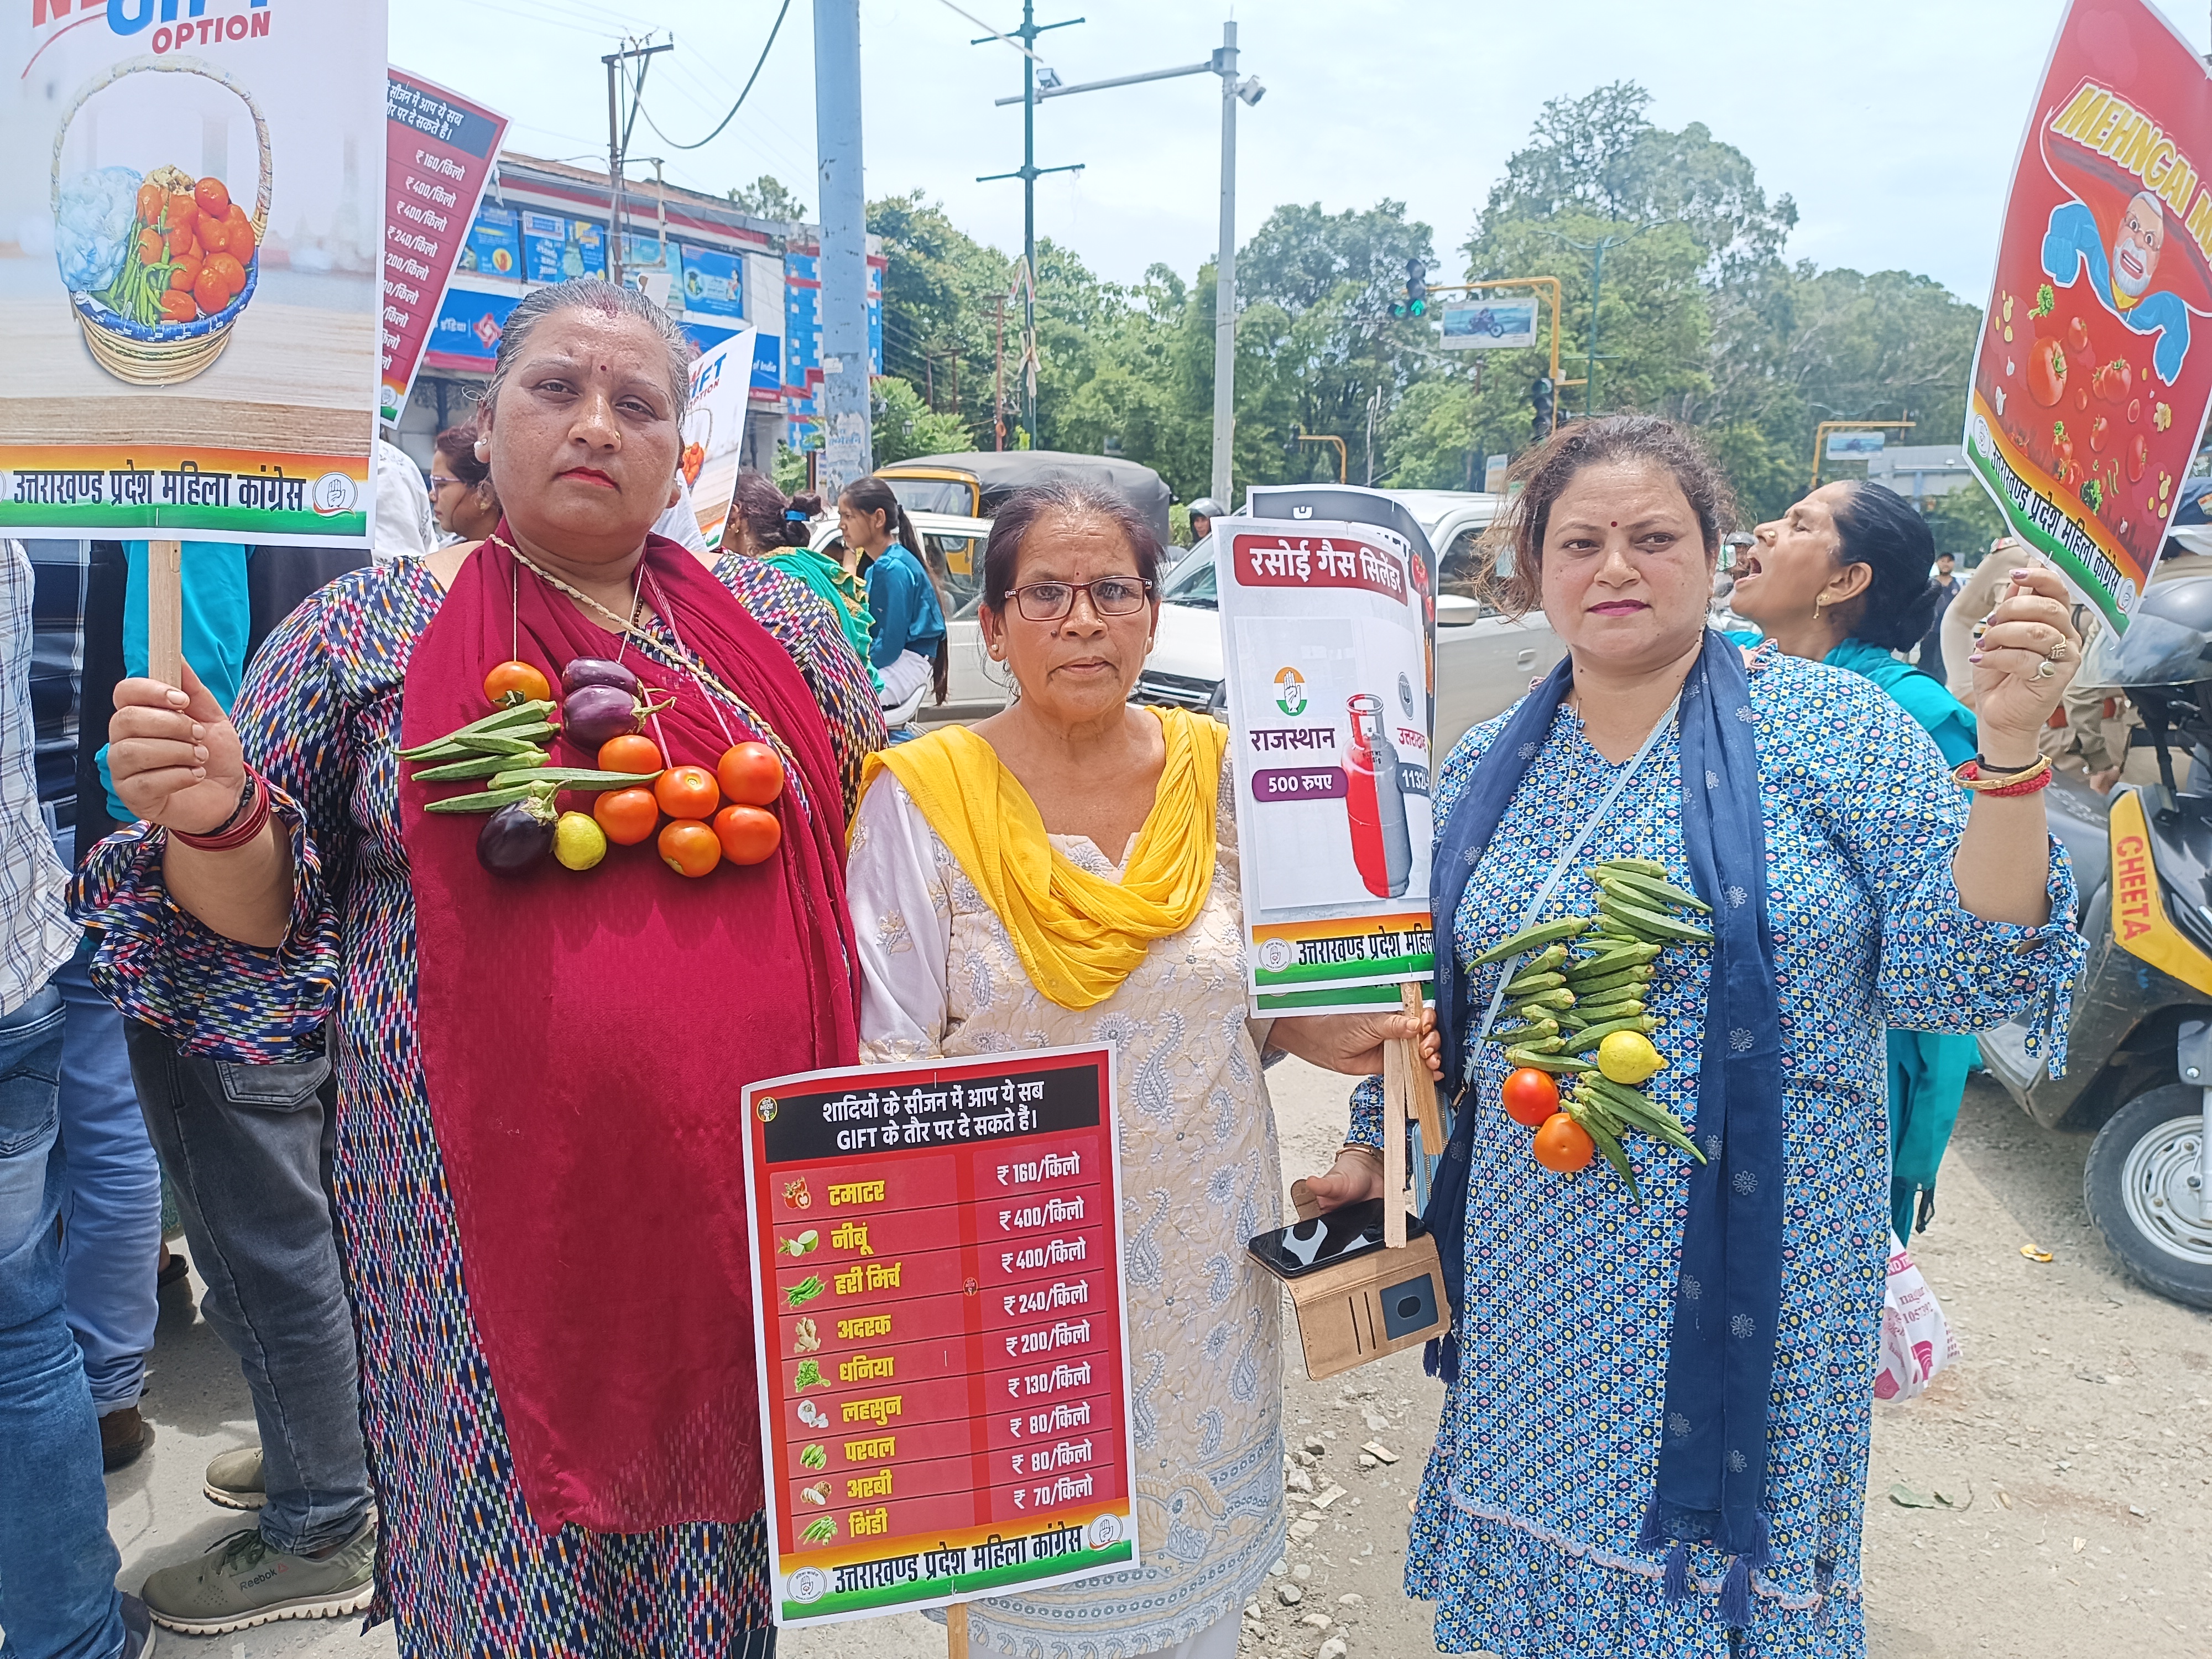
236,950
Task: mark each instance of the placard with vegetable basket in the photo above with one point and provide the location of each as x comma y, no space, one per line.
191,296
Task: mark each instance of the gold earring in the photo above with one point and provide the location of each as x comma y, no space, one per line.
1818,602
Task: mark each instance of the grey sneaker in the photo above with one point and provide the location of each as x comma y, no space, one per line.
234,1479
242,1583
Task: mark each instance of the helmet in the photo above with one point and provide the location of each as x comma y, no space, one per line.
1206,507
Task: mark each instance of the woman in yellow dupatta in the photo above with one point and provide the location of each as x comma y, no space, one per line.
1064,873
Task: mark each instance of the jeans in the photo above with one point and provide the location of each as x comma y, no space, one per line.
247,1149
58,1565
112,1194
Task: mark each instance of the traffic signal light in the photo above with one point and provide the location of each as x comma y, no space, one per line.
1416,302
1540,399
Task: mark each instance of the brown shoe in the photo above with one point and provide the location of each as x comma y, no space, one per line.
123,1436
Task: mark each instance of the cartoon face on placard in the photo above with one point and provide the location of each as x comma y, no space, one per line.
2091,381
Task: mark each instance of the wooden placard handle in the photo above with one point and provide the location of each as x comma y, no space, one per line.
956,1631
1423,1088
165,612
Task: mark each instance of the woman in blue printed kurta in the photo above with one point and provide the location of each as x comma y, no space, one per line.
1527,1530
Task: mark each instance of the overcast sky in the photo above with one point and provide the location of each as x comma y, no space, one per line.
1893,125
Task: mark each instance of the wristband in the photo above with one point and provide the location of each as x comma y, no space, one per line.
242,825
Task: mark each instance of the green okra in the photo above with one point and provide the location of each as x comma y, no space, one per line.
504,720
583,778
1530,938
491,799
484,766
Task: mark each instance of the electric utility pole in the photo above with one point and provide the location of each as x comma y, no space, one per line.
618,130
842,262
1223,63
1028,173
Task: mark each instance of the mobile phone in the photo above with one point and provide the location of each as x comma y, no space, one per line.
1306,1247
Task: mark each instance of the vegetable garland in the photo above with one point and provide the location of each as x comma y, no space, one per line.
1575,1009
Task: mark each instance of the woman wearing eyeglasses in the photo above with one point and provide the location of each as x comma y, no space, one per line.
1065,873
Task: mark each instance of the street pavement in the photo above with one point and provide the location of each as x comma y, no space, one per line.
2073,1442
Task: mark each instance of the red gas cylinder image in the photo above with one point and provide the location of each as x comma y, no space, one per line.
1382,847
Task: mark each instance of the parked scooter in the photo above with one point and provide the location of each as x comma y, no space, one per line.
2139,1053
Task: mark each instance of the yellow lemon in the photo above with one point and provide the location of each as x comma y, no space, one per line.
578,840
1628,1057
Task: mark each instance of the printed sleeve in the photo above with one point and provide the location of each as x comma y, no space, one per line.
902,925
159,964
1900,818
804,625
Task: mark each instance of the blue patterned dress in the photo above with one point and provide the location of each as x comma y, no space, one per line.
464,1568
1525,1531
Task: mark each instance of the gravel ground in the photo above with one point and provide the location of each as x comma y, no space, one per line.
2073,1442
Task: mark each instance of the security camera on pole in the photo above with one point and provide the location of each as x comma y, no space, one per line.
1248,88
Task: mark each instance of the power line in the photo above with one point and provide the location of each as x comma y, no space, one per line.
762,62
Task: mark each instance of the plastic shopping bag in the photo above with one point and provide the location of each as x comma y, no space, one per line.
1916,1341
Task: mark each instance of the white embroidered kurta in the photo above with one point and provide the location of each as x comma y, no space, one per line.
1200,1175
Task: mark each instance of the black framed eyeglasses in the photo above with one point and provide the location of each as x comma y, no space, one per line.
1111,596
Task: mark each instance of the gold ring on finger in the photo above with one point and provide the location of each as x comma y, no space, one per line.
2043,671
2057,652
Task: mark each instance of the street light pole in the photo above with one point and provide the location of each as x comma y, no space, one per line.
1223,63
843,264
1028,173
1224,272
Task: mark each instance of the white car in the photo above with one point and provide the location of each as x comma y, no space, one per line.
1484,660
977,686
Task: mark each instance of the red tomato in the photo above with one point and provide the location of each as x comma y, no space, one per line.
238,240
2077,341
228,272
212,197
2138,459
516,681
149,246
1530,1097
751,774
627,814
689,848
687,791
630,752
2097,429
214,233
747,834
184,275
2046,372
150,199
178,308
1563,1144
208,289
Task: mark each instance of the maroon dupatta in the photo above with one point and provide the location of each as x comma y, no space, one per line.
585,1036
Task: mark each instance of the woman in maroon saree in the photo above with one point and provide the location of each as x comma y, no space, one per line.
538,1175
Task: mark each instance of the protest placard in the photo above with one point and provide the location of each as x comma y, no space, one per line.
937,1294
440,150
191,294
714,429
2087,401
1327,644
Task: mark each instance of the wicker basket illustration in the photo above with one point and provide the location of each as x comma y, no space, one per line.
164,354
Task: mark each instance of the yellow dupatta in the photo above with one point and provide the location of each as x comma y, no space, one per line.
1078,935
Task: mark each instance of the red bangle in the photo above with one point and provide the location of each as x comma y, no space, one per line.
2025,786
245,823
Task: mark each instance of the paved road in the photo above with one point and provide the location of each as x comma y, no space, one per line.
2073,1439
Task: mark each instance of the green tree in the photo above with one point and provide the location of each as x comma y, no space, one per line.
905,426
767,198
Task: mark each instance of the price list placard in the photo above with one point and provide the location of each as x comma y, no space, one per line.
936,1273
